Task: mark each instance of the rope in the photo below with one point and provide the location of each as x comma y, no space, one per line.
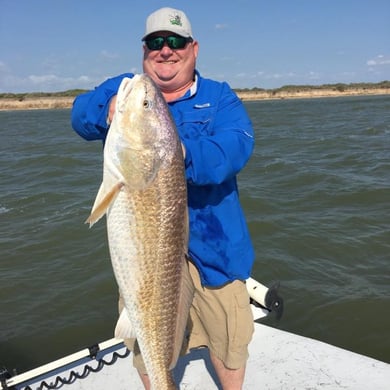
73,376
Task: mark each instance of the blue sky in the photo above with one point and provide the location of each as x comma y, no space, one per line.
56,45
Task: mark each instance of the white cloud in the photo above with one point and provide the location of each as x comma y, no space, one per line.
134,70
227,58
45,83
84,79
108,55
221,26
274,76
42,79
314,75
379,60
3,67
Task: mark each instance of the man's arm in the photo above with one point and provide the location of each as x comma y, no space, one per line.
220,155
91,112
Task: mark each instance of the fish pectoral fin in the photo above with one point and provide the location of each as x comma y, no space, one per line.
186,296
124,329
102,202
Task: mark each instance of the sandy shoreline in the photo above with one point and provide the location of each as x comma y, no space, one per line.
310,94
41,103
53,102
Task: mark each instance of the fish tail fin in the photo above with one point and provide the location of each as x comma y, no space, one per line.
102,202
186,296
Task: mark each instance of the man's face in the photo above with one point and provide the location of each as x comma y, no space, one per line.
170,69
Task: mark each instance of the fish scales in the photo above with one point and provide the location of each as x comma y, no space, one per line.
144,196
149,295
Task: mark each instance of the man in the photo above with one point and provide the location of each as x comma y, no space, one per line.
217,138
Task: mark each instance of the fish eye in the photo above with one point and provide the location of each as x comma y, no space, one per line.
147,103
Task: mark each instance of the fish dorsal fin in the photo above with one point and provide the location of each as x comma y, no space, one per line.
186,296
124,329
103,200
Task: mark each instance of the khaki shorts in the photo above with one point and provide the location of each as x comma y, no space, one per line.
220,319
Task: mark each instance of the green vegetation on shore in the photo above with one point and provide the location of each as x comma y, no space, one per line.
340,87
34,95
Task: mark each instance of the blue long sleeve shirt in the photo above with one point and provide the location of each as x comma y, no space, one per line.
218,136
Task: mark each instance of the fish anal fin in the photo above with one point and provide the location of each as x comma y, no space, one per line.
124,329
185,299
102,202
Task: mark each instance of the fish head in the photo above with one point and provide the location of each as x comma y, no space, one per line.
142,136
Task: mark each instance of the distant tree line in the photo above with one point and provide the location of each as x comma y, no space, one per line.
340,87
22,96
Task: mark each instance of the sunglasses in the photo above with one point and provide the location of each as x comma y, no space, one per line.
174,42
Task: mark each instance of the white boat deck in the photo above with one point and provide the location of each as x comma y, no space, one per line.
278,361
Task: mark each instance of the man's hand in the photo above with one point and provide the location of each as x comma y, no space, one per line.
111,110
184,150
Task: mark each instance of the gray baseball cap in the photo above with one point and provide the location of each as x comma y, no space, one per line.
168,19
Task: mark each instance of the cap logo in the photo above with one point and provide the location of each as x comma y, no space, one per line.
176,20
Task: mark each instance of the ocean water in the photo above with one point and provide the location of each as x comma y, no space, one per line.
316,194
